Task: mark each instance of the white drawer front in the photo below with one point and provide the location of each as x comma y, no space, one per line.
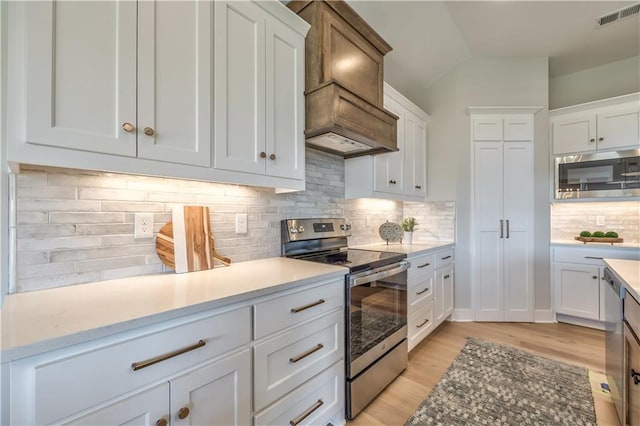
592,255
320,399
289,359
285,311
420,324
444,258
420,267
71,384
419,292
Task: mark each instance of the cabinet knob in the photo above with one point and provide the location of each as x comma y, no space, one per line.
183,413
392,182
595,277
149,131
600,139
162,422
592,140
418,187
263,154
128,127
272,157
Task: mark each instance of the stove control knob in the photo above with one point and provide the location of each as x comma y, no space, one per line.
293,230
300,228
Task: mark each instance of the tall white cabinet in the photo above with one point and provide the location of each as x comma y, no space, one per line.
503,213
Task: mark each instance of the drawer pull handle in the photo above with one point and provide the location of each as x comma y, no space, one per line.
423,291
310,305
593,257
595,277
303,355
146,363
446,257
446,277
307,413
422,323
423,266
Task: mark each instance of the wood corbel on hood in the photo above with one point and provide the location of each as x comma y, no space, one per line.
344,82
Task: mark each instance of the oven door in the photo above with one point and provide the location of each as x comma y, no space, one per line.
376,314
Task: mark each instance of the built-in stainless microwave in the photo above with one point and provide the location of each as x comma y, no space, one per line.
598,174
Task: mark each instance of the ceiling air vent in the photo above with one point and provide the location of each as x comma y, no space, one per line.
619,14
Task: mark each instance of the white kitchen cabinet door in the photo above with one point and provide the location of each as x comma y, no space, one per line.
81,75
216,394
415,149
174,81
619,127
143,409
518,128
239,82
443,297
388,168
489,230
486,128
285,146
575,133
577,290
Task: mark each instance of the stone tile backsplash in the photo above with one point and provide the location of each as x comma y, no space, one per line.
569,219
77,226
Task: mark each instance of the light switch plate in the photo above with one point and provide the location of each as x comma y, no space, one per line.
241,223
599,220
143,225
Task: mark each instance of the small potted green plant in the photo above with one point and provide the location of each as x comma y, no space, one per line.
409,225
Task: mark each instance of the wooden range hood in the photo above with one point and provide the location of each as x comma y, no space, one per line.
344,82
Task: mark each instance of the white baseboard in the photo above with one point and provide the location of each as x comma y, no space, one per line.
599,325
462,315
543,315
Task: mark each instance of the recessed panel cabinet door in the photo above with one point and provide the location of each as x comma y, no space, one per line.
415,145
285,101
388,172
174,81
619,127
81,75
239,81
575,133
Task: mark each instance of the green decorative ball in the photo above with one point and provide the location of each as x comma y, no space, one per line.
598,234
585,234
611,234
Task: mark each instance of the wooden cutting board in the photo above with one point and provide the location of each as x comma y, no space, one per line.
186,243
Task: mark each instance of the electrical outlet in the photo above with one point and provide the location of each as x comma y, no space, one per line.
143,225
599,220
241,223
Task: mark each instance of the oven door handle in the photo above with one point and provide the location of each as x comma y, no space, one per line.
373,275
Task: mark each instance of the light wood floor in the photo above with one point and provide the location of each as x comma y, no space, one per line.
429,360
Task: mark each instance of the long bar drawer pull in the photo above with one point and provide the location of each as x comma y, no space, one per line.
303,355
307,413
310,305
422,323
426,289
593,257
146,363
446,277
423,266
446,257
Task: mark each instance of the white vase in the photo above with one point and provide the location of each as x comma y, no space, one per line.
408,237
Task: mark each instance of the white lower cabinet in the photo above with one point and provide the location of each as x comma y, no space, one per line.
577,277
429,293
201,369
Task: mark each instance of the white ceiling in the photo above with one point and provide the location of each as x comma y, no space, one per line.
430,37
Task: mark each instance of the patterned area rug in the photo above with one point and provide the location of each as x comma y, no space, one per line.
491,384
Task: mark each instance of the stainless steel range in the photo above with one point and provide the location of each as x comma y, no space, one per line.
376,304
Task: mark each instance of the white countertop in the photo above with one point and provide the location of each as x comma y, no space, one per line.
39,321
409,249
628,271
595,245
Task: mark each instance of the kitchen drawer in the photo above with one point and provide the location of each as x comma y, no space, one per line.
632,313
420,267
70,384
444,258
294,308
592,255
324,394
420,324
419,292
283,362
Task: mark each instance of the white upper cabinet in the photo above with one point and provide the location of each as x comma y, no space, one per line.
259,86
597,126
399,175
85,92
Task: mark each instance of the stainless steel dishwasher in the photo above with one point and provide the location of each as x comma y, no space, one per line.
614,340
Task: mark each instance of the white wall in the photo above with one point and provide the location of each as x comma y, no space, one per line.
606,81
486,82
